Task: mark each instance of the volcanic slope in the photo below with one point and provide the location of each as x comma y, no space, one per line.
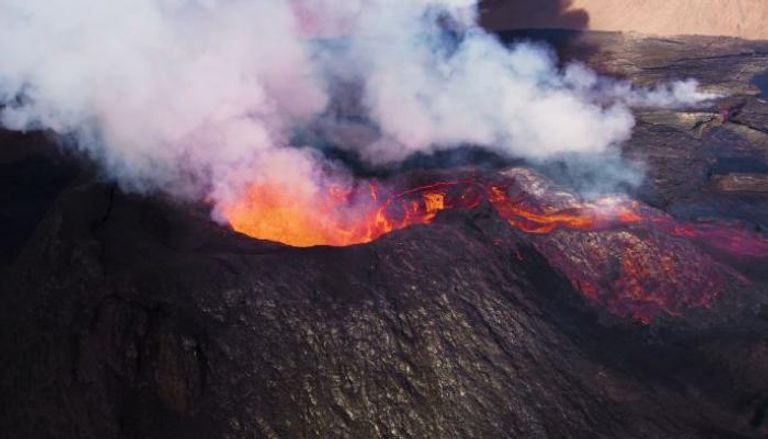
128,317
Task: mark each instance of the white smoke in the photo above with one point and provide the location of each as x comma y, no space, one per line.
199,98
589,85
182,96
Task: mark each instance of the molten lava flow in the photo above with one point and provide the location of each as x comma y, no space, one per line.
632,259
603,214
337,216
732,239
341,216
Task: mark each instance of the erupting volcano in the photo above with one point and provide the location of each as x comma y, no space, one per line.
376,219
347,216
339,217
634,259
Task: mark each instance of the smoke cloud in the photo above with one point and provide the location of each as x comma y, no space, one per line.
200,98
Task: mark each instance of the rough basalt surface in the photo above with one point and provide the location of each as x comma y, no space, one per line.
130,317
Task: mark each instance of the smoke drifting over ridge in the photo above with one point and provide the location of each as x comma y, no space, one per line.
199,98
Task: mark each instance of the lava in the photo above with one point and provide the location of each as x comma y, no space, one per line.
633,259
603,214
340,217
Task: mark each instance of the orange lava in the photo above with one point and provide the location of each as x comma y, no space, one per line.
652,269
340,216
603,214
337,217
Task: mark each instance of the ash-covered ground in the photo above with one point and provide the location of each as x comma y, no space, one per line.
123,316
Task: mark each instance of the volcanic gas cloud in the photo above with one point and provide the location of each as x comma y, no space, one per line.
203,100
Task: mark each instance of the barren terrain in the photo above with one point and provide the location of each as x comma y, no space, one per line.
735,18
129,317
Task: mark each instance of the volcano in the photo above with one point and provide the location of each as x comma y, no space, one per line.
473,301
638,260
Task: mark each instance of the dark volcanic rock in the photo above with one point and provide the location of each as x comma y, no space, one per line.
687,152
121,321
126,317
742,182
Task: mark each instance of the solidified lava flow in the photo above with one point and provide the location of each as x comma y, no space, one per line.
633,259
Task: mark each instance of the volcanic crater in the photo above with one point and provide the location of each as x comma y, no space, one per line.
471,302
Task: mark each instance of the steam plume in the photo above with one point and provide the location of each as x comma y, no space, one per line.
198,98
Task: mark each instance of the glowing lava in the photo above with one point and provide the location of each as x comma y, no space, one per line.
603,214
341,216
338,216
632,259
